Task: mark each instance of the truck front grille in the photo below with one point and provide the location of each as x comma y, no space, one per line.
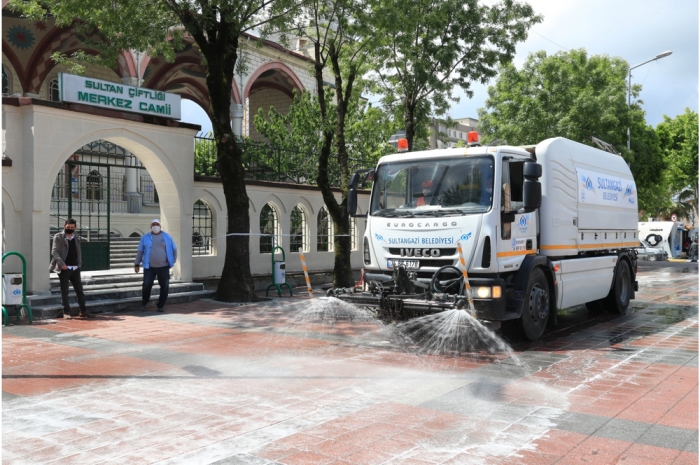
443,252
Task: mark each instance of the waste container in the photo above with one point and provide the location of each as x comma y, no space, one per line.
279,273
12,288
14,291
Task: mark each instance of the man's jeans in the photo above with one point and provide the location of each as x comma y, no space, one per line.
72,276
149,276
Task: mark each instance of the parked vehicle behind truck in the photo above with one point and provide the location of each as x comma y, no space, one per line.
646,252
541,229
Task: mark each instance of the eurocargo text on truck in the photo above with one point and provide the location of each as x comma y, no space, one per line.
541,228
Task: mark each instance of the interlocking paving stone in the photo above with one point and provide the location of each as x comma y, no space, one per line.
669,437
213,383
623,430
244,459
655,355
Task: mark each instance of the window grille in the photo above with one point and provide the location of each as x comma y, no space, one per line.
269,227
324,231
299,230
93,185
148,190
53,90
202,227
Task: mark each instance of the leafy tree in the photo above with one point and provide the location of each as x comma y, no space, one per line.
572,95
679,144
158,26
300,132
343,41
431,46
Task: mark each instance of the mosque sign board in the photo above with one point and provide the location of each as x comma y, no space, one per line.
114,96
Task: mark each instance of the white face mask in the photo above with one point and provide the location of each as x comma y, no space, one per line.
155,229
426,192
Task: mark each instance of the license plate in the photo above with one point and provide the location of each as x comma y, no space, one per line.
409,264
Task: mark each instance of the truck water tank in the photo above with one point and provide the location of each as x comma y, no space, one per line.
589,199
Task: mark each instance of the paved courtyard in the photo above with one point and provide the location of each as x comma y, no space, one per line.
271,383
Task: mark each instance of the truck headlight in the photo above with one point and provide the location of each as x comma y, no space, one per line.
488,292
483,292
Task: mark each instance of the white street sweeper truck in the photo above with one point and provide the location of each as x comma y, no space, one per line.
541,228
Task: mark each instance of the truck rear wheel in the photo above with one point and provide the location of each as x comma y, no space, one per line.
533,320
618,300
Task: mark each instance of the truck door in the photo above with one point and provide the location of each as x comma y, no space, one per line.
518,231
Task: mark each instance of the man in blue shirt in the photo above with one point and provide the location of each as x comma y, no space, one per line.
159,254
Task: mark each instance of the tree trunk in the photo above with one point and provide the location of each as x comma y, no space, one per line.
342,269
410,124
236,283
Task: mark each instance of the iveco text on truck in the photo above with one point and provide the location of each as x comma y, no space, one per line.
541,229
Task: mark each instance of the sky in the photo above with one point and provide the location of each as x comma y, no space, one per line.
634,30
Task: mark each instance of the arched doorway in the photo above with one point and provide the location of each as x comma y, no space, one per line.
109,193
163,156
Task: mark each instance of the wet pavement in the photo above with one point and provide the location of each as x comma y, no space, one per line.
267,383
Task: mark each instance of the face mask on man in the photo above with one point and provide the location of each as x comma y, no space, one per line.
426,192
69,230
155,229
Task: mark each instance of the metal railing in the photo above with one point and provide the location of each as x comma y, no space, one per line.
265,162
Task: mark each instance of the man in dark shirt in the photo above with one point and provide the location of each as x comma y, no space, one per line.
67,260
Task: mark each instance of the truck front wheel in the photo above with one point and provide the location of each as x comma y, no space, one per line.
533,320
618,300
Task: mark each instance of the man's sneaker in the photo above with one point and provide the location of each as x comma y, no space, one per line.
87,315
143,306
73,314
161,309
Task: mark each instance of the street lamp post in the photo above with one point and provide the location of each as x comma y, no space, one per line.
629,88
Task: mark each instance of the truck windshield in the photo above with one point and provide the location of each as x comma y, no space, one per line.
433,187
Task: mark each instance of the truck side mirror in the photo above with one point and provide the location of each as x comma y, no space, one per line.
532,170
532,195
354,179
532,189
352,201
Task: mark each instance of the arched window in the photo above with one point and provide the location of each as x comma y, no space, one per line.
324,231
202,226
53,90
93,185
299,232
269,228
6,87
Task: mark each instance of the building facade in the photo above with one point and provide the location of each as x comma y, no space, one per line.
114,170
442,136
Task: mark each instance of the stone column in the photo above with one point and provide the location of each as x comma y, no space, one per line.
237,111
132,187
